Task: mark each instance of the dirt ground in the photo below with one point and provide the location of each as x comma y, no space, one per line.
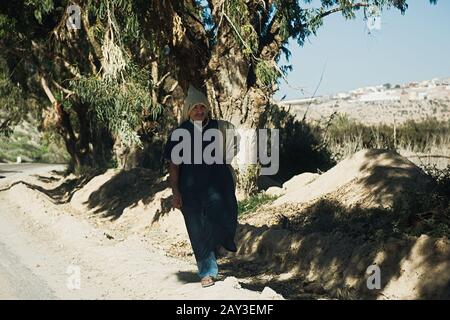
49,250
318,240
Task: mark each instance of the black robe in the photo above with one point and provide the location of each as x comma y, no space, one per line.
209,203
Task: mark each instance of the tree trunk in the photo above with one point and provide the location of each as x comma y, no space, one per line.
235,97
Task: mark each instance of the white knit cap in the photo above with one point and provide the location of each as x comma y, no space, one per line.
194,96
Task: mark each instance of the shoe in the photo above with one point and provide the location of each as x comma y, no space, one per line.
207,281
230,246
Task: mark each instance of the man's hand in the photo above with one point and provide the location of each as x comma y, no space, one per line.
177,203
174,172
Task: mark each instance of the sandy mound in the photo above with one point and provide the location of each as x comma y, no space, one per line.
337,264
366,180
137,201
326,230
371,178
45,240
292,184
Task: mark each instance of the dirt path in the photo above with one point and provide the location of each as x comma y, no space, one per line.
49,253
17,170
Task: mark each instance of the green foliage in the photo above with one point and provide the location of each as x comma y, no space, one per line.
251,43
266,74
246,36
105,64
247,177
41,8
301,144
441,177
255,24
12,101
253,202
426,214
119,105
6,23
124,13
27,142
344,136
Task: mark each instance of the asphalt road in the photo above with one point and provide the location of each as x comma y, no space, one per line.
17,169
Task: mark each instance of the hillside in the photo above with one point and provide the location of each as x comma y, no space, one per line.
380,104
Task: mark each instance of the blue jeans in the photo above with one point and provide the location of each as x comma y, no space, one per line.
208,266
211,220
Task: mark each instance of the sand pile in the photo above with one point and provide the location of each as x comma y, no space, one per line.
330,229
371,178
326,229
135,200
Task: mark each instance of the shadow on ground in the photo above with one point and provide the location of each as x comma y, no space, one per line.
125,190
187,277
64,192
6,171
327,247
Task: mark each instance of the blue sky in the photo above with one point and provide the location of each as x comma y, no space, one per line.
412,47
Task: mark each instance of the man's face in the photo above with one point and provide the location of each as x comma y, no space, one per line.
198,112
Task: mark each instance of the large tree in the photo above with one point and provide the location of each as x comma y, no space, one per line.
120,78
99,86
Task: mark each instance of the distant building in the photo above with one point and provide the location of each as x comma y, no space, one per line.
378,96
371,89
422,95
297,101
342,96
357,91
417,95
